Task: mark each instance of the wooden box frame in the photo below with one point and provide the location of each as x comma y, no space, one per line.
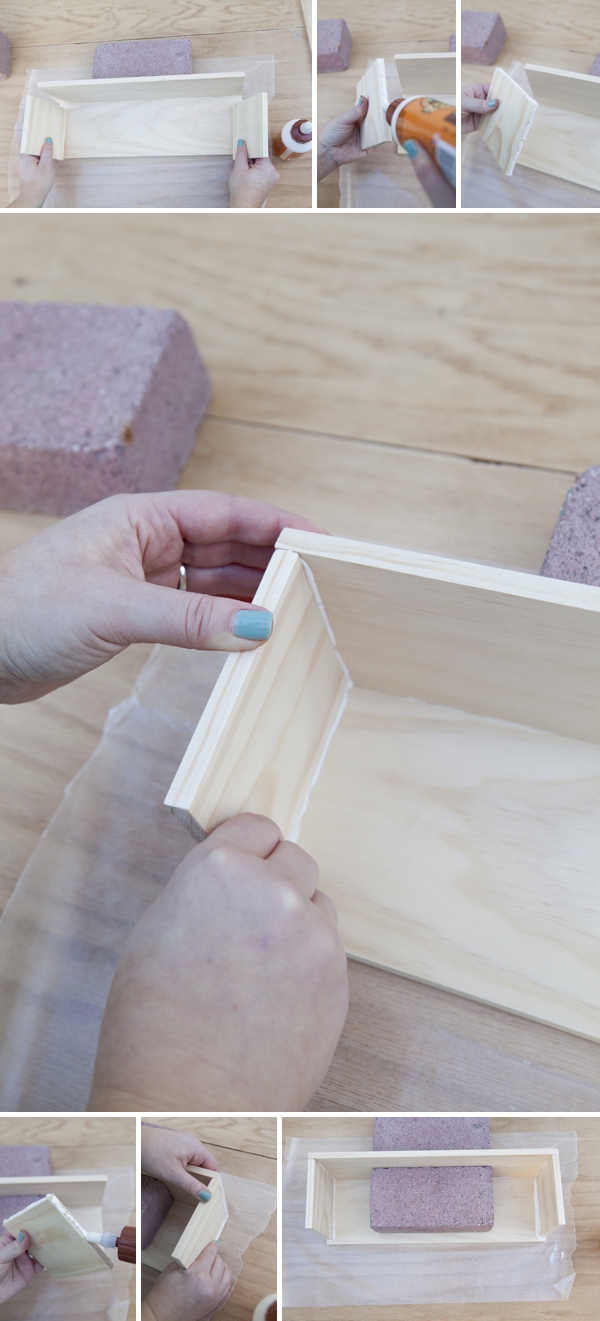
190,1225
195,114
528,1198
429,729
81,1196
555,131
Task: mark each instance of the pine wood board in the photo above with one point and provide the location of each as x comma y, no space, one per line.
306,6
506,130
578,93
514,388
105,91
59,23
565,145
484,184
374,128
42,120
431,74
254,1136
583,1302
56,1242
251,122
193,127
73,1137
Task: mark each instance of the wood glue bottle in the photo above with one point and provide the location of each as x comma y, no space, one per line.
295,138
430,122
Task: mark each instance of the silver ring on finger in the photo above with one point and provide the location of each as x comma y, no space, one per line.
182,584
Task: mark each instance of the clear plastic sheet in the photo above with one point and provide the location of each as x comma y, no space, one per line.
105,856
384,178
168,181
251,1205
315,1275
103,1297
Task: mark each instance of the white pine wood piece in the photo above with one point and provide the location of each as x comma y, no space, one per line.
491,641
251,122
506,129
564,145
190,1225
373,84
98,91
475,867
515,1177
57,1239
74,1190
43,119
269,718
578,93
320,1199
193,127
427,74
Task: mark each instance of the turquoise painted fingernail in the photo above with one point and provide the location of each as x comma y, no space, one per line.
361,100
256,625
492,103
49,141
204,1195
240,142
411,149
20,1236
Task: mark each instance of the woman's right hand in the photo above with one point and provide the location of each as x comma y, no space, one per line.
16,1268
189,1295
339,140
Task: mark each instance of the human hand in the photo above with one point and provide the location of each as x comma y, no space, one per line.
232,990
250,181
339,140
81,591
189,1295
16,1267
36,177
166,1152
428,172
474,104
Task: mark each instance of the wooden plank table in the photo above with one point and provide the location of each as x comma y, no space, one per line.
443,400
59,35
555,35
583,1302
246,1147
379,30
86,1143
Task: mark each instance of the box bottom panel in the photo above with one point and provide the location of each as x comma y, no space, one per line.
464,851
514,1217
198,126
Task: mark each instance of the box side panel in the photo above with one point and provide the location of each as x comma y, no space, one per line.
320,1196
550,1210
269,719
506,1163
207,1222
57,1242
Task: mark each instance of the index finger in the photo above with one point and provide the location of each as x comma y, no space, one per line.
207,516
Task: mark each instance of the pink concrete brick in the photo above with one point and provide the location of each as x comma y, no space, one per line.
143,59
483,36
436,1200
156,1202
22,1162
574,550
431,1133
333,45
595,69
5,56
94,401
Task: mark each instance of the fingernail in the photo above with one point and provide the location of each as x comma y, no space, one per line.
492,103
240,142
49,141
411,149
361,100
204,1195
20,1236
256,625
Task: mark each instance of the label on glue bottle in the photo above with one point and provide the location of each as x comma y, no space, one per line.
294,140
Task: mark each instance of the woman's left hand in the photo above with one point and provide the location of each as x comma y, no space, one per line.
16,1267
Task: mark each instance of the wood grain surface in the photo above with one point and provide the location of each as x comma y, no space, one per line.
78,1142
583,1302
314,414
377,31
64,34
246,1147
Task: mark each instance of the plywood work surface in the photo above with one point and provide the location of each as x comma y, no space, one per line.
341,436
583,1302
59,37
246,1147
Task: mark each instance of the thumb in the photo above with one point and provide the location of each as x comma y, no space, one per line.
46,152
145,612
19,1245
207,1257
241,155
472,105
359,110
